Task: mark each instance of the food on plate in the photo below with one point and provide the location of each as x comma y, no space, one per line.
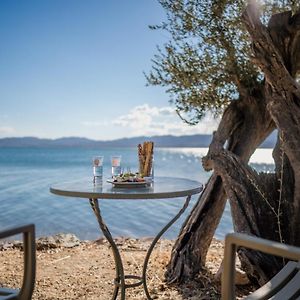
129,177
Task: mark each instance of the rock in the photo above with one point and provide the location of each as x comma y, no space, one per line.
66,240
6,245
241,277
18,244
45,242
60,240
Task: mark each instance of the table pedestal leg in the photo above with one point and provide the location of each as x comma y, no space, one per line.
144,275
120,278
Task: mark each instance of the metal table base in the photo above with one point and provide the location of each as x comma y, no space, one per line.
120,280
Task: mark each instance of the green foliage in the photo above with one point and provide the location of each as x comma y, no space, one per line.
206,62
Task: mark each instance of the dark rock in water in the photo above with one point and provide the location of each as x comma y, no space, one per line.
66,240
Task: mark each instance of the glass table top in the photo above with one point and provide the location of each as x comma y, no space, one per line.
161,188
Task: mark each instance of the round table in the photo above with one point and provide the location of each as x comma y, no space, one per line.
161,188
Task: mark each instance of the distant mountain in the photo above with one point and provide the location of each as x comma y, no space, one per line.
197,140
160,141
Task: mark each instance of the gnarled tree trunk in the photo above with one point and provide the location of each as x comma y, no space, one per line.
265,205
245,124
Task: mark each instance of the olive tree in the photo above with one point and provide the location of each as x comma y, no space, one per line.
239,60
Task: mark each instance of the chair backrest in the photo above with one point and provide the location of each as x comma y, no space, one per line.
284,285
26,291
286,282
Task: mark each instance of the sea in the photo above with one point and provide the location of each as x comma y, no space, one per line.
26,174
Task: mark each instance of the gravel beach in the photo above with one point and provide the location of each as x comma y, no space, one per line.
85,270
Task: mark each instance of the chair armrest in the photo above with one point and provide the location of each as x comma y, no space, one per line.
233,240
16,230
28,232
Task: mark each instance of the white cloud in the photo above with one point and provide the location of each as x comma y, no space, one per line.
152,120
145,120
139,117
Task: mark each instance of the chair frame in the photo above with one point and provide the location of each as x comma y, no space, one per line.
26,291
235,240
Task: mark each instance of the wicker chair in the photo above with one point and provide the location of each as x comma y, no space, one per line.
26,291
285,285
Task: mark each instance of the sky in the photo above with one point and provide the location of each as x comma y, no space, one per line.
75,68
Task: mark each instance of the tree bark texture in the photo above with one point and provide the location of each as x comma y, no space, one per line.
243,129
282,90
266,205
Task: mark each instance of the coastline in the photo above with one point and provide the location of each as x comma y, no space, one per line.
85,270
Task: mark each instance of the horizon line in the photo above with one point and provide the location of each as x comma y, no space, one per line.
97,140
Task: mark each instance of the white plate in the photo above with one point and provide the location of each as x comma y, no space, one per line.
128,184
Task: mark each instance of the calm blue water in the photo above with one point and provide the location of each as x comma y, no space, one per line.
27,173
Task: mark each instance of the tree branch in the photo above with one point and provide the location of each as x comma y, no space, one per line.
267,55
